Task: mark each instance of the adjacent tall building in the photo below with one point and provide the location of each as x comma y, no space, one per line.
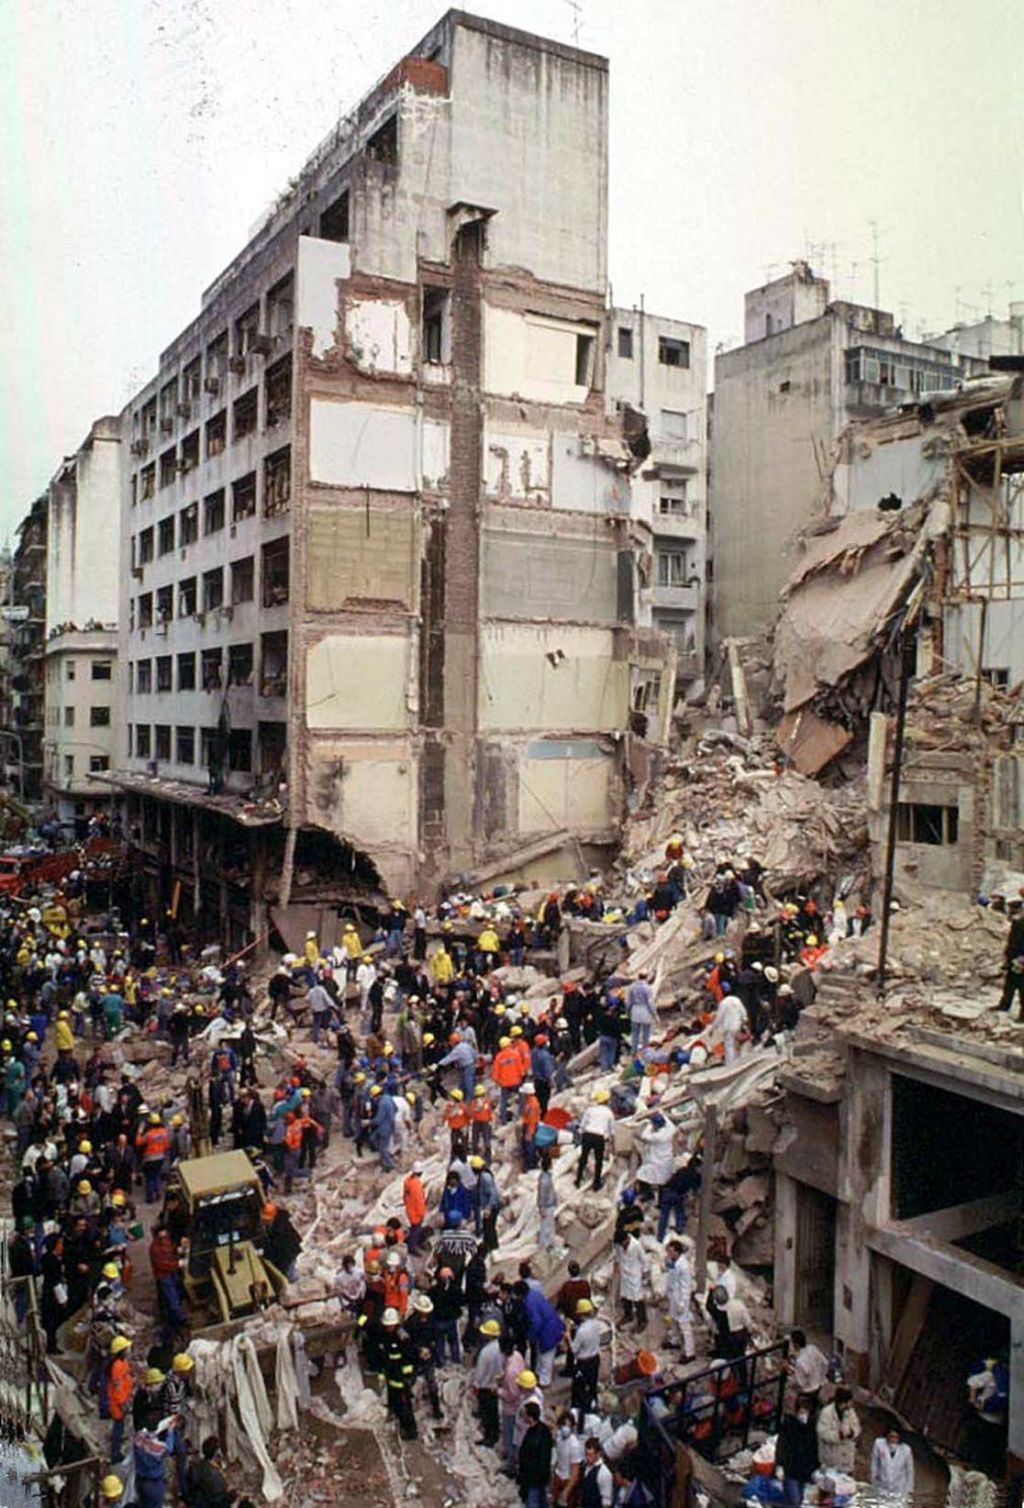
26,613
659,367
382,610
83,558
809,365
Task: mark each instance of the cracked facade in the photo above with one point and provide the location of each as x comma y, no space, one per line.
383,575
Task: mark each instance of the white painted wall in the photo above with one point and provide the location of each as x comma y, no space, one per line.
517,465
84,545
79,691
362,445
379,335
587,691
532,356
358,681
319,268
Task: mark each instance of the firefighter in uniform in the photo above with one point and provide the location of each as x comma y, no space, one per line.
398,1371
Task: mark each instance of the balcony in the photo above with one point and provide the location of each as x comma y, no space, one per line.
676,599
673,455
677,526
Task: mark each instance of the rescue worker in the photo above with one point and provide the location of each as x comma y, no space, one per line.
398,1373
507,1072
120,1387
481,1113
153,1145
419,1329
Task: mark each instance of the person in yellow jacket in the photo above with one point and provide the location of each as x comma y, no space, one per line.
311,950
489,947
63,1036
442,970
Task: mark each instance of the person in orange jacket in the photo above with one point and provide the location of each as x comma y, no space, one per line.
456,1118
508,1073
530,1122
396,1284
415,1201
120,1387
294,1130
153,1145
481,1115
522,1047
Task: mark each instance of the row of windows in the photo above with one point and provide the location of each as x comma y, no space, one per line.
252,333
909,374
100,670
277,491
155,741
99,717
204,593
97,764
671,352
144,675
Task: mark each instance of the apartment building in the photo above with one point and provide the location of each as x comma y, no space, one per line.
809,366
380,618
659,367
27,617
82,586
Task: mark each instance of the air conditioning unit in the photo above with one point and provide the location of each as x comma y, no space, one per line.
139,447
166,424
184,409
262,344
237,364
212,385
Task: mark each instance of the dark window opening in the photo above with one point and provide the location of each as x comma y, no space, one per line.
190,451
142,743
281,306
243,579
240,660
279,392
164,673
917,822
213,512
187,671
435,335
274,572
186,749
165,604
187,597
584,360
273,664
144,677
212,661
188,525
147,481
245,414
99,717
277,482
243,497
165,541
213,589
217,433
163,740
240,750
673,353
382,146
247,327
625,343
168,467
334,220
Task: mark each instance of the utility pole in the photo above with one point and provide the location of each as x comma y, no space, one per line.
907,649
875,260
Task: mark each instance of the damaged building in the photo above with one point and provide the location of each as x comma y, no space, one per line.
382,610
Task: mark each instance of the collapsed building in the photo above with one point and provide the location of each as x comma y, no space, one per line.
385,613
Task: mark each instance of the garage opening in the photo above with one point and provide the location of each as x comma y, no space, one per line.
815,1260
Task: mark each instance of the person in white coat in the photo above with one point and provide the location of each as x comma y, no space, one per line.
838,1432
405,1124
679,1292
631,1264
892,1465
657,1162
730,1020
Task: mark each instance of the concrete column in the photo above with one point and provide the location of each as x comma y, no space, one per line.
1015,1437
787,1195
864,1194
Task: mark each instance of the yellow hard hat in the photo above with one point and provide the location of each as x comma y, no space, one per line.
480,1091
527,1379
85,1187
410,1097
359,1078
182,1362
601,1096
719,957
62,1015
32,1037
85,1147
119,1344
117,1199
515,1031
154,1118
5,1045
584,1306
428,1038
499,1010
376,1089
177,1120
490,1327
812,941
457,1094
111,1270
111,1487
504,1041
305,1094
476,1163
152,1377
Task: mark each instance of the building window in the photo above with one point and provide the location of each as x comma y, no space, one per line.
102,670
168,405
190,451
240,665
674,504
187,597
243,497
626,342
144,677
168,467
165,540
277,481
164,667
212,660
382,146
334,220
217,433
280,307
245,414
191,383
142,743
188,525
145,614
165,604
585,360
187,671
674,426
274,572
69,717
243,580
278,386
99,717
213,589
240,750
71,670
186,746
98,763
672,568
216,362
247,327
917,822
213,512
145,546
273,664
436,327
69,767
673,353
147,481
162,735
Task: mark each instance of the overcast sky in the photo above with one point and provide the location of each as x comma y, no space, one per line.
143,139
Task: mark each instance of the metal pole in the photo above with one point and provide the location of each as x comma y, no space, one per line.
907,643
707,1178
